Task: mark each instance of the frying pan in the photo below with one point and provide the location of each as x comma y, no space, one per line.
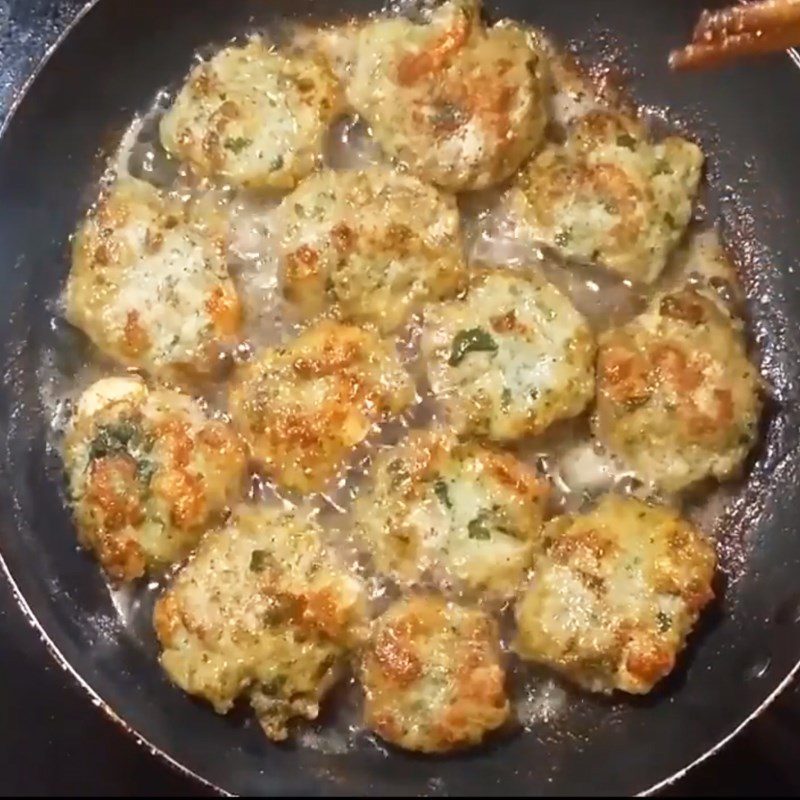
109,64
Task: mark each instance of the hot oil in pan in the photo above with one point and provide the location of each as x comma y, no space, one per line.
577,466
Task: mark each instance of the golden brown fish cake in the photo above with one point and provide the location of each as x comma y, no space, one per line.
609,195
253,116
615,594
372,244
148,473
678,399
461,105
510,358
432,676
457,511
261,611
305,405
149,282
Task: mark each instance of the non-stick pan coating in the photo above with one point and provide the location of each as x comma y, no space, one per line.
748,118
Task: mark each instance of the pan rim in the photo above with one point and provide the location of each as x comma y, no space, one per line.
143,741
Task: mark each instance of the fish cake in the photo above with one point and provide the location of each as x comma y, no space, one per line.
457,511
678,399
253,116
615,593
305,405
372,245
149,282
610,195
148,473
509,358
264,612
433,677
461,105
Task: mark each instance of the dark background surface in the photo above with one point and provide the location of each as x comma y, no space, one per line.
53,741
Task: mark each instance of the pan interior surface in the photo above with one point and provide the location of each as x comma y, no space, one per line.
111,65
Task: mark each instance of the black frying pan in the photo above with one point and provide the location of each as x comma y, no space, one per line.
748,117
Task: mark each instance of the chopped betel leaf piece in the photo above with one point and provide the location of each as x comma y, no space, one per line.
238,143
463,513
148,474
114,439
477,528
440,487
258,560
475,340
